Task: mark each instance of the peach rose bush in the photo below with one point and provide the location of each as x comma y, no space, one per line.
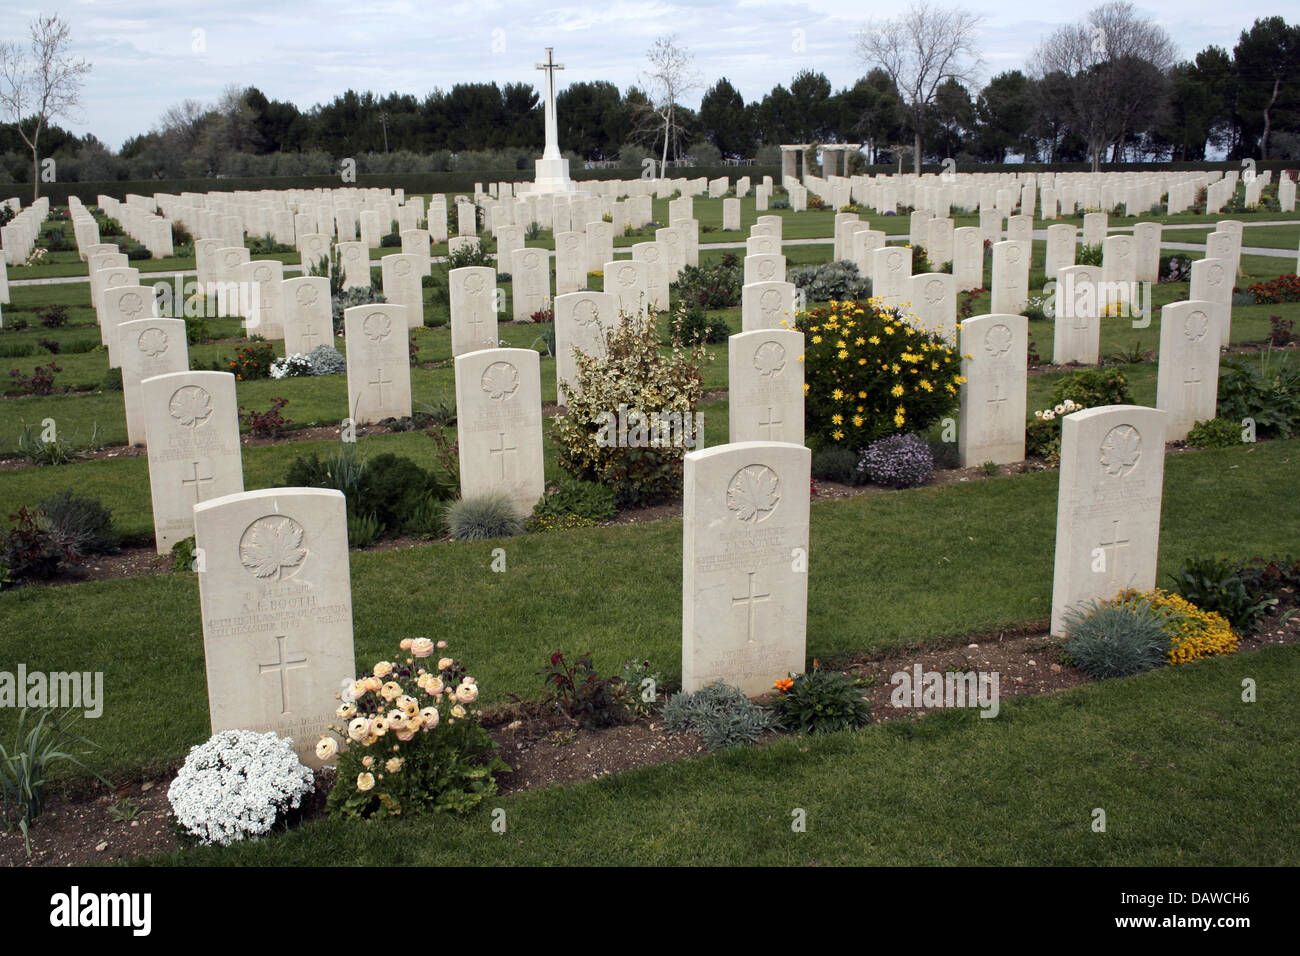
410,740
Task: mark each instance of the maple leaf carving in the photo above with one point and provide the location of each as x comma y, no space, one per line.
152,342
271,545
1120,450
191,406
377,326
769,359
753,493
500,380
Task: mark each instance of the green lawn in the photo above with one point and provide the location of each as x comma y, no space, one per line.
1186,773
887,571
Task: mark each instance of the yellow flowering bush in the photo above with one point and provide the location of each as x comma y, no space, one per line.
868,374
410,740
1193,633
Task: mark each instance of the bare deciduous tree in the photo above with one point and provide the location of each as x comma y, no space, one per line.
921,50
1113,69
42,84
668,78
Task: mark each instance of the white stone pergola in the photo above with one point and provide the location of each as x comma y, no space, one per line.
835,159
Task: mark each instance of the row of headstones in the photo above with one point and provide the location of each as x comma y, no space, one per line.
1058,194
275,593
18,236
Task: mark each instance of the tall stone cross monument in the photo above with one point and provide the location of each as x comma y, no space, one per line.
552,169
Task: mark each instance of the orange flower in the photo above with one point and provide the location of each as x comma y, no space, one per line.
783,685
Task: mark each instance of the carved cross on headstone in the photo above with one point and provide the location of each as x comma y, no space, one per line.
380,381
749,600
198,481
1114,544
995,403
1192,378
308,334
283,665
772,424
502,451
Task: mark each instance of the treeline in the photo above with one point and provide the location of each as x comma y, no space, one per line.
1242,103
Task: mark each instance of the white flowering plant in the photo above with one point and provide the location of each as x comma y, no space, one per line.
1043,434
296,365
411,740
238,785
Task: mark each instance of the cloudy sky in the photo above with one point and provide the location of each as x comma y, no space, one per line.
149,54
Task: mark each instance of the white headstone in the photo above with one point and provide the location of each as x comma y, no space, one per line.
192,432
628,280
499,424
765,400
1010,276
991,426
934,303
744,561
530,283
1108,504
472,292
581,319
378,362
148,347
402,277
1187,381
307,317
276,598
1077,325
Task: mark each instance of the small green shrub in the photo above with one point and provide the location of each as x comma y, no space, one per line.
80,523
836,463
1228,588
1093,387
183,556
644,687
722,715
711,287
1115,640
33,447
25,766
573,496
1088,255
347,298
693,325
1267,391
363,530
831,281
343,470
473,255
112,380
426,519
483,516
395,488
1215,433
820,702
